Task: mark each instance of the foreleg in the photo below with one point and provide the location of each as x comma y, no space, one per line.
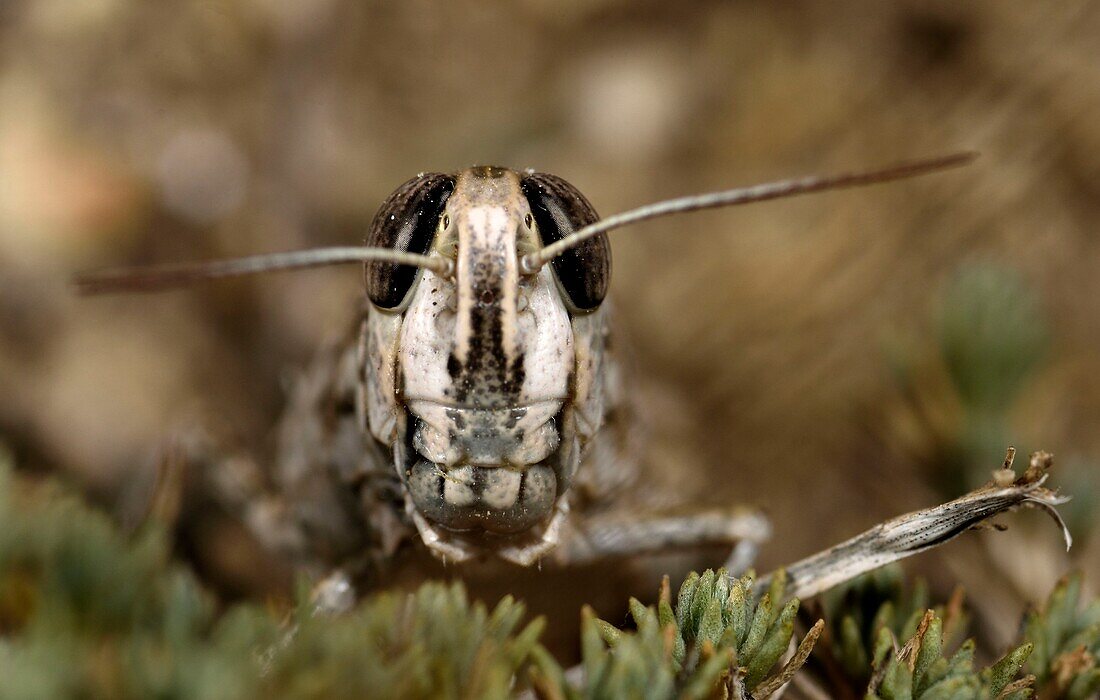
621,535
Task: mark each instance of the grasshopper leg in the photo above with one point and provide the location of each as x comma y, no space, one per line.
626,535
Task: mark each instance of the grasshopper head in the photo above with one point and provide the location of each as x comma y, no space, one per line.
484,362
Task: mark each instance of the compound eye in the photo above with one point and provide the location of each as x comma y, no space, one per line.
583,272
406,222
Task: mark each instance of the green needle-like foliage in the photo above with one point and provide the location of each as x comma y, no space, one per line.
921,671
1066,660
88,613
718,640
961,382
858,611
723,613
433,643
992,339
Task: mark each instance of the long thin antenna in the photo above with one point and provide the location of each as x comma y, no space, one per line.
158,278
743,195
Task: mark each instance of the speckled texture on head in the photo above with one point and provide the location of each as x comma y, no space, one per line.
474,384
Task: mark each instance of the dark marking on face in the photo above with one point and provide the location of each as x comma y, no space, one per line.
457,418
486,370
522,486
514,417
517,376
487,373
489,209
584,271
489,172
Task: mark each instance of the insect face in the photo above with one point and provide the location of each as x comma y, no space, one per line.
471,380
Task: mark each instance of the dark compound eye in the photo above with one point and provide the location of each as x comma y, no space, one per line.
583,272
406,221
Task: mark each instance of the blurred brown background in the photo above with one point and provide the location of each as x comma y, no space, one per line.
825,358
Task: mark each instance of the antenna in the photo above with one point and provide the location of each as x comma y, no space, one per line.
161,277
531,263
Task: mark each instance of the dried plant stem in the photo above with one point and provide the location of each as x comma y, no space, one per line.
924,529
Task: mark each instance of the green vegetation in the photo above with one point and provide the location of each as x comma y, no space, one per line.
962,379
1059,648
859,611
88,612
1066,637
718,640
920,671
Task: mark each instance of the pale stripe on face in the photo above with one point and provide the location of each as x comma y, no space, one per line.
487,362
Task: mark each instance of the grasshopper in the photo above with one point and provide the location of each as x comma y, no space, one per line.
477,405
